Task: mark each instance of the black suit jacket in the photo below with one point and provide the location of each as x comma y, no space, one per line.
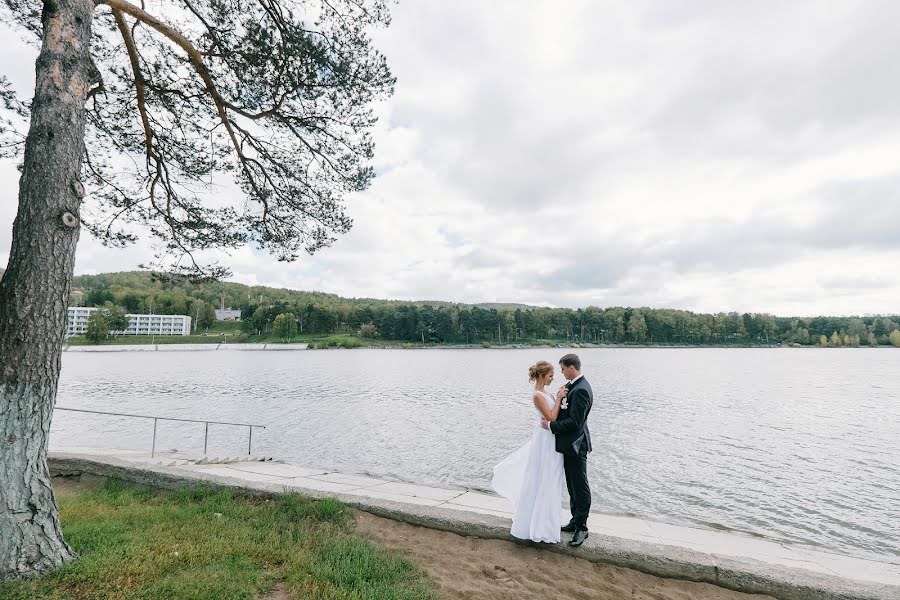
570,426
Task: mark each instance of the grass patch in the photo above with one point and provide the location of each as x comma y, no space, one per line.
203,544
143,340
339,341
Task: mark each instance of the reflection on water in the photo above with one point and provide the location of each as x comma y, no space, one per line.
800,445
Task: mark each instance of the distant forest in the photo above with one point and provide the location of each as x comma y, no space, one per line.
318,313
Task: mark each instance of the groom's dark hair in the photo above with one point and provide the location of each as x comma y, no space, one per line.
571,360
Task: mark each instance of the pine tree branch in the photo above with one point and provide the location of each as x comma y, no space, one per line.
138,79
196,60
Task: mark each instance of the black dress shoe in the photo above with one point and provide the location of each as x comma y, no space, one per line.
569,527
579,537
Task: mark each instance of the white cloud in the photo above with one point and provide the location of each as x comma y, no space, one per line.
700,155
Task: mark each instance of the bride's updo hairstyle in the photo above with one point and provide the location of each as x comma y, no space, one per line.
539,369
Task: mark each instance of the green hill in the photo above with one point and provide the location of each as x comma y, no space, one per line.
126,288
320,314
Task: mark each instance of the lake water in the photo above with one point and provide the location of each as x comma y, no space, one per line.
800,445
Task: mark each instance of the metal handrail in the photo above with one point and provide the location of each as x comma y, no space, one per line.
156,419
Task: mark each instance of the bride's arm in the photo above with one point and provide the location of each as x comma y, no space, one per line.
556,404
541,404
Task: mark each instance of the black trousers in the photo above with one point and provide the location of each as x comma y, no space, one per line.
579,490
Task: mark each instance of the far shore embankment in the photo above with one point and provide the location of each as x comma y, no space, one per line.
207,347
180,347
174,347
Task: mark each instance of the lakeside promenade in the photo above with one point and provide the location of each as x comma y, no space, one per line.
180,347
730,560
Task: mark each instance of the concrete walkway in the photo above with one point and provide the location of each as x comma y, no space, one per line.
207,347
731,560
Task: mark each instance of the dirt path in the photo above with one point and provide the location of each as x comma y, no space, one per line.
473,569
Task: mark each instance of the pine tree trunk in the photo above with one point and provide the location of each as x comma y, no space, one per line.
34,291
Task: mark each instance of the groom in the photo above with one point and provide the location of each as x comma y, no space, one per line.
573,441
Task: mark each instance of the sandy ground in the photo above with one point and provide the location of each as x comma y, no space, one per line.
474,569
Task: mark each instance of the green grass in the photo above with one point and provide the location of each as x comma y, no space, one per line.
340,341
203,544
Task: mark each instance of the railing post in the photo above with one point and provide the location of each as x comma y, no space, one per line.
156,426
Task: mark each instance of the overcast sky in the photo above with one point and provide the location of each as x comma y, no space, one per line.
706,155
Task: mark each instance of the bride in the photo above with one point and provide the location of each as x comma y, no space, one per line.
532,476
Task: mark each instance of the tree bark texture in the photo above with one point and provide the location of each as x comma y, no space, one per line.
34,291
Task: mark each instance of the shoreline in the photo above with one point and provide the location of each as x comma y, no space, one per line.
250,346
181,347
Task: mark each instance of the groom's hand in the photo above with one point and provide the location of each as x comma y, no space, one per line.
545,423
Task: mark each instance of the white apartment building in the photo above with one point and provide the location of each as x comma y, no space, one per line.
137,324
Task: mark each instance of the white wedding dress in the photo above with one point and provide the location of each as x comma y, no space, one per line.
532,479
